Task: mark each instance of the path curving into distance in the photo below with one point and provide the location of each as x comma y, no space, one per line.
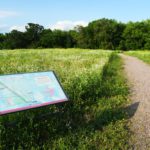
138,75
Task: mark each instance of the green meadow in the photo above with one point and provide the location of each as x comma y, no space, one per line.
93,118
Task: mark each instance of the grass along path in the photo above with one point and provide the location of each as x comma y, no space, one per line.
138,74
143,55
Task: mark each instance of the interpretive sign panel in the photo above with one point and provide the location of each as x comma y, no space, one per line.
30,90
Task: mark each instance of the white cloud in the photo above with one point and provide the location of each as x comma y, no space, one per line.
67,25
19,28
4,14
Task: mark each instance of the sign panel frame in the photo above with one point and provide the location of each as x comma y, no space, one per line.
36,105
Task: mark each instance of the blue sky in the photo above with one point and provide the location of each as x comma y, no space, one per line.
65,14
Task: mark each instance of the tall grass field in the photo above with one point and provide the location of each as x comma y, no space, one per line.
94,117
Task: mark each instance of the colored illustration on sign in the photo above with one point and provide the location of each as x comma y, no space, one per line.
30,90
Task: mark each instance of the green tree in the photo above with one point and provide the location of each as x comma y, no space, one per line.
2,39
82,40
147,35
103,33
46,39
33,32
134,35
15,39
107,33
62,39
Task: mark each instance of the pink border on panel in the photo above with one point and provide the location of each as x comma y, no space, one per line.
30,107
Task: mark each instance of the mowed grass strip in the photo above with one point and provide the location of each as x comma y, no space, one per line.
143,55
94,118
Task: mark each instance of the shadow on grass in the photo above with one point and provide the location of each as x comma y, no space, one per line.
113,115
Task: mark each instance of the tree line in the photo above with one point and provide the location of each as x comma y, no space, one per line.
100,34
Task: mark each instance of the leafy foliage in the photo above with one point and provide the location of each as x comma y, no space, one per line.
99,34
136,35
103,33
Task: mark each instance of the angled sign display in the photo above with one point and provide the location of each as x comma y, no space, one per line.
29,90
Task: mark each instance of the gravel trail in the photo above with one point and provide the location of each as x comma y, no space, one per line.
138,75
